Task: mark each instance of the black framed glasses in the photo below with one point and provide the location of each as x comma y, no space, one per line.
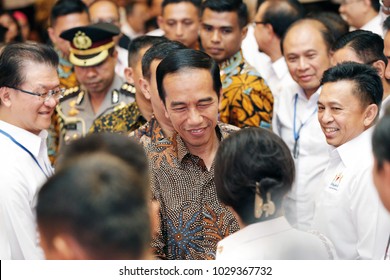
57,94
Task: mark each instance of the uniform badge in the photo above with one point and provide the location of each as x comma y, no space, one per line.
82,41
73,111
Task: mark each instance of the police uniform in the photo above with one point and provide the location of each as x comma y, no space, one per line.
90,46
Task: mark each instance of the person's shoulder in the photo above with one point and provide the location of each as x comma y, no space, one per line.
71,93
225,129
127,89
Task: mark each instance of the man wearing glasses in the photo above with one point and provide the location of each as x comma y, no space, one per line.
29,92
101,91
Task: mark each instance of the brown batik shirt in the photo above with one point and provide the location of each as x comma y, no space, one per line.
193,221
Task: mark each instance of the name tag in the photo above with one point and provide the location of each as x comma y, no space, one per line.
71,126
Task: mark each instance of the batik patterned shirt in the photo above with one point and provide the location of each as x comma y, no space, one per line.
246,98
193,221
124,120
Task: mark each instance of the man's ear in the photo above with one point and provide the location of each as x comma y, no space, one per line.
52,36
145,88
165,109
160,22
129,72
68,248
370,114
380,67
5,97
244,31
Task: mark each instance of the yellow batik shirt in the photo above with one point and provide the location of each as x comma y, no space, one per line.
246,99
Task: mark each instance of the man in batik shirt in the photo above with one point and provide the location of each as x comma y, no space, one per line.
193,219
246,98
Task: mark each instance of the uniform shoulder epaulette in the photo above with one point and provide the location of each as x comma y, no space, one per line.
127,89
70,93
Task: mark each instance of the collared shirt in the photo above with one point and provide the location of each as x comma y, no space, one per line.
76,112
21,180
246,99
251,53
384,105
66,72
313,152
275,240
348,209
375,25
129,31
192,218
279,78
124,120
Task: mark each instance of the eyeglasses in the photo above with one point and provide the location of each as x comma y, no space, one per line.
255,23
57,94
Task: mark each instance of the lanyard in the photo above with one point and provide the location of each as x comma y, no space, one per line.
26,150
387,253
296,133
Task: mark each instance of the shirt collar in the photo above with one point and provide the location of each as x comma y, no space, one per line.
181,148
27,139
230,64
361,143
280,67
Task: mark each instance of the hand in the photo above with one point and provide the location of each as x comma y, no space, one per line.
385,6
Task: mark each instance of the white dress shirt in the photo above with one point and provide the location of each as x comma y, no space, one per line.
279,78
257,59
376,25
313,152
274,240
129,31
348,209
20,180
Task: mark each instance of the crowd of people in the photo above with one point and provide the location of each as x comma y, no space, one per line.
195,130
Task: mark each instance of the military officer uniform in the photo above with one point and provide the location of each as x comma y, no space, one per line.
90,46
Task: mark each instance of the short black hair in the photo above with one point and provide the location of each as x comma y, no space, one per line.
67,7
15,56
333,21
187,59
115,144
139,43
381,140
367,83
222,6
158,52
367,45
249,156
196,3
386,24
281,14
102,202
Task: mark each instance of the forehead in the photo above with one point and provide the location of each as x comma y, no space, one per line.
103,9
69,21
39,74
303,37
220,19
180,10
183,81
338,92
345,54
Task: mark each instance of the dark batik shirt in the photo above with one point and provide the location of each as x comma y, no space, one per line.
193,221
124,120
